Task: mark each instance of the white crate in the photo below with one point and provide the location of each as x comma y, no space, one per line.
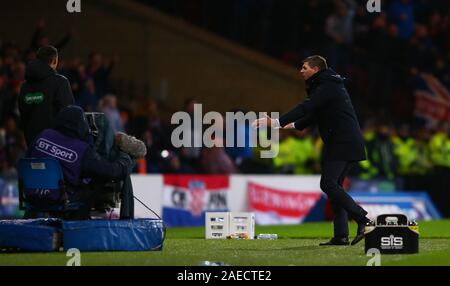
219,225
242,223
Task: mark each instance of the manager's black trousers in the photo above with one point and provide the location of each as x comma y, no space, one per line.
344,207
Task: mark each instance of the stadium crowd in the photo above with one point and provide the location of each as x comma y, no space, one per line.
385,57
381,53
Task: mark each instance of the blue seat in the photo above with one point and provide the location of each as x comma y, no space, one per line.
44,193
41,185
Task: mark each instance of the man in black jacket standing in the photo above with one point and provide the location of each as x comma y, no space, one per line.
329,106
43,95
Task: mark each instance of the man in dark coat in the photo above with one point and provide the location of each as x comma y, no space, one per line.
43,95
329,106
69,143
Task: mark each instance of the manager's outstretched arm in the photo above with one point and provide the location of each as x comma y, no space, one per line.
301,123
304,122
266,121
304,112
317,99
292,115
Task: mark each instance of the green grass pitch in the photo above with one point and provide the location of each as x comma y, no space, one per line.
296,245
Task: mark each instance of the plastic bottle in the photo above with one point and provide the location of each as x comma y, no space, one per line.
270,236
212,263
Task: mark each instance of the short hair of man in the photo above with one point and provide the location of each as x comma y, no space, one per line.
47,54
316,61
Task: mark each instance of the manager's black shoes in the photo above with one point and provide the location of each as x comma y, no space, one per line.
336,241
359,233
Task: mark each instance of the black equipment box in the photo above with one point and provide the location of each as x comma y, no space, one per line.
392,234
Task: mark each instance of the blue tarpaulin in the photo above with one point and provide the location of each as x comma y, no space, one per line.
30,234
114,235
87,235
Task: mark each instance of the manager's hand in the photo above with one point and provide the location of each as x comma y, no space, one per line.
266,121
289,126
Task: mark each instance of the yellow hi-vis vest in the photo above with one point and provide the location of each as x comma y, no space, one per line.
440,149
406,153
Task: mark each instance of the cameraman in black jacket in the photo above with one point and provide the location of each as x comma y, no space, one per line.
72,133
